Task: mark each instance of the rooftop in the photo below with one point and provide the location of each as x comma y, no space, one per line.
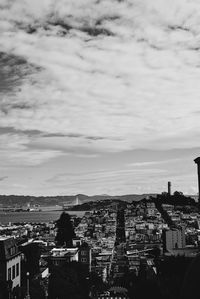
8,248
3,238
64,251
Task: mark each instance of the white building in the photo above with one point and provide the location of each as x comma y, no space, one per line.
59,256
174,239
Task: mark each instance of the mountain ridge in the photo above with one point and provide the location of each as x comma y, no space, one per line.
24,200
21,200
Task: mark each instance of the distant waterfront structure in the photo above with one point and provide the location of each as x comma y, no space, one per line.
74,203
197,161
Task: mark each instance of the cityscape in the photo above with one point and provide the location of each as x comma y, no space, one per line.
116,249
99,149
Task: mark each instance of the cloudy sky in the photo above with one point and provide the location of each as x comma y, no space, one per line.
99,96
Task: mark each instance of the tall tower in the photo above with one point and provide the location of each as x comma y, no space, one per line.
197,161
169,188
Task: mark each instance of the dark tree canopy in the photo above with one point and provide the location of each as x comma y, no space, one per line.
65,230
3,290
191,282
68,281
178,198
32,253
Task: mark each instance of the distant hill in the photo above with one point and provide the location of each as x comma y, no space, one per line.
178,199
20,200
99,204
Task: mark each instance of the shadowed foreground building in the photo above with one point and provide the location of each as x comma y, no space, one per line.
10,262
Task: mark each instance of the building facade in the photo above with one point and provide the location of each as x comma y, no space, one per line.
85,256
174,239
10,262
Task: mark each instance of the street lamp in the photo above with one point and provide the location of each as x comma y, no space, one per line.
28,286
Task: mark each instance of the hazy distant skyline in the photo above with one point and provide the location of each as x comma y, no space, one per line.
99,96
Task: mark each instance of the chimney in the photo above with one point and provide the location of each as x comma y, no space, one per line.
197,161
169,188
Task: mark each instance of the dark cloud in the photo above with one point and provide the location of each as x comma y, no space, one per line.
65,28
179,27
64,24
73,135
56,135
11,130
95,31
38,133
7,106
13,70
3,178
95,138
101,20
30,133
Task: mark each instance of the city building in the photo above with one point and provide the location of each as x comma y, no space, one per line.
85,256
10,261
173,239
115,292
59,256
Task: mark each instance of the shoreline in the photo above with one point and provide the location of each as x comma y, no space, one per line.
34,216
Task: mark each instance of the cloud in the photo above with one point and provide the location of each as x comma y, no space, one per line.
156,163
13,70
117,181
14,151
129,88
88,78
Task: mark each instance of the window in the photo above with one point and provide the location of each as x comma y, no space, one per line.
84,260
9,273
12,250
13,272
17,269
84,252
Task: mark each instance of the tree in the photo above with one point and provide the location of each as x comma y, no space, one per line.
191,282
96,283
146,289
65,230
178,193
69,281
36,289
32,254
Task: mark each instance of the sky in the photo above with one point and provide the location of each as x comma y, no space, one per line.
99,96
